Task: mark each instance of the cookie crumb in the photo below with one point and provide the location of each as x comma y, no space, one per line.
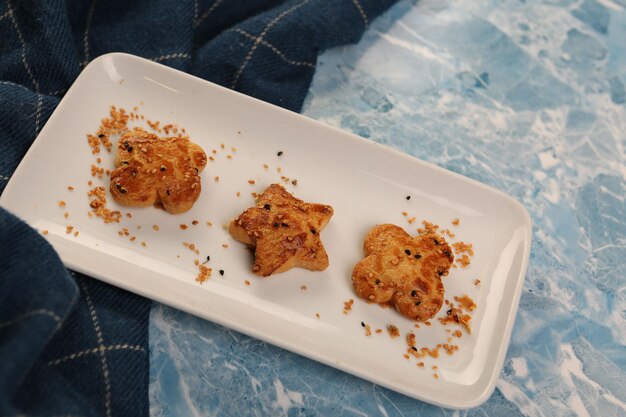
393,331
347,306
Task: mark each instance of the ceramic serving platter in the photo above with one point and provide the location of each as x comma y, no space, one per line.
302,311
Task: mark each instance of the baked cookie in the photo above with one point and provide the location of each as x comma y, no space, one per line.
152,170
285,232
403,271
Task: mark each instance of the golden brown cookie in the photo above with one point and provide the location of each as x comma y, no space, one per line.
403,271
152,170
285,232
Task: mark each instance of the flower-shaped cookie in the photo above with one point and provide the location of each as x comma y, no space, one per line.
285,232
403,271
152,170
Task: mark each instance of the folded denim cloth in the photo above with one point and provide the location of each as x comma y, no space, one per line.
70,345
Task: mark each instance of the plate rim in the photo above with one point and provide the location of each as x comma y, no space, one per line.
525,223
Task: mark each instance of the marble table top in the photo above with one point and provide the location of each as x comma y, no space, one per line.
525,96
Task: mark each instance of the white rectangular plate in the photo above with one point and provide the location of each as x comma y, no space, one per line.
365,182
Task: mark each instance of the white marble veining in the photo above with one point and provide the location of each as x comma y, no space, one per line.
526,96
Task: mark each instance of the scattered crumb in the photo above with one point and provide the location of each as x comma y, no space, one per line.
155,227
66,214
191,247
347,306
196,262
130,216
183,227
69,229
70,188
265,166
456,222
303,288
477,282
238,194
225,245
455,315
393,331
450,349
251,182
216,179
427,323
210,224
435,376
411,220
379,331
247,282
368,330
420,364
143,244
204,274
98,206
61,203
428,227
317,315
195,222
464,261
45,232
406,356
462,247
76,233
465,302
404,213
457,333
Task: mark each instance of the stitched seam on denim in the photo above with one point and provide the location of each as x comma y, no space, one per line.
95,350
275,50
28,69
101,349
206,14
86,34
260,39
41,311
171,56
357,3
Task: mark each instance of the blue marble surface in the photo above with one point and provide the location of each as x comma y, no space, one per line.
526,96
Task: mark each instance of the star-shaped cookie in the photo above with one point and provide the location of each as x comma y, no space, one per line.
152,170
403,271
285,232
